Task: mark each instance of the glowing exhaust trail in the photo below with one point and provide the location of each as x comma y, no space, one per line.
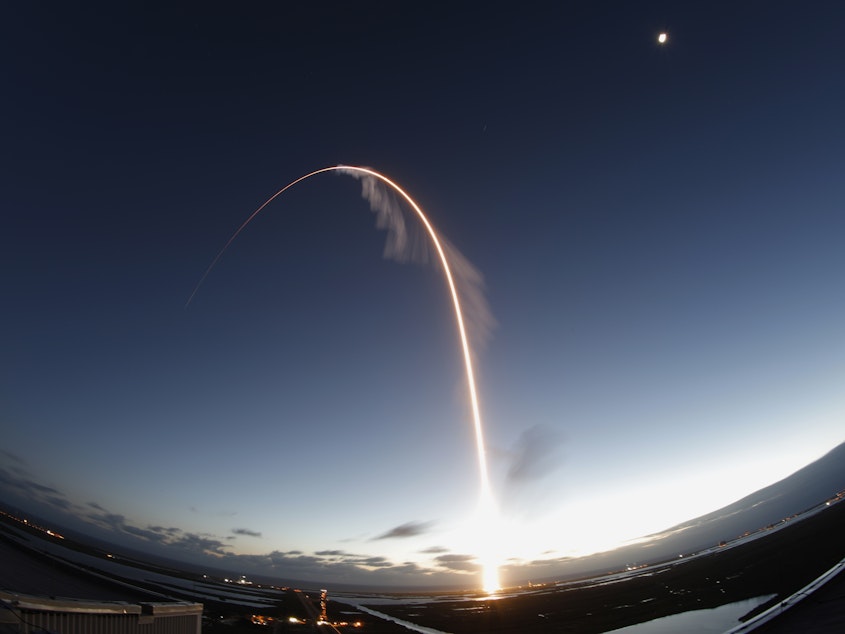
490,574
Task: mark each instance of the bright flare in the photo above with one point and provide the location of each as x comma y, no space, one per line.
489,529
489,516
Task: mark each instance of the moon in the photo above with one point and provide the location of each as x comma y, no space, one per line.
661,39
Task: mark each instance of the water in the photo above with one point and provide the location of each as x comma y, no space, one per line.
406,624
712,621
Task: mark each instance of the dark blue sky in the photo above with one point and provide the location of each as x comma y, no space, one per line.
659,228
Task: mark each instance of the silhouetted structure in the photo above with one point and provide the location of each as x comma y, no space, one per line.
25,613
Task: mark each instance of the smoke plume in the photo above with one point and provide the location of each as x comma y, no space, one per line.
535,454
407,241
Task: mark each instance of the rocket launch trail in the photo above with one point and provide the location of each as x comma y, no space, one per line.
487,506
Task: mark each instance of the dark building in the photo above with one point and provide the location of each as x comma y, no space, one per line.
26,613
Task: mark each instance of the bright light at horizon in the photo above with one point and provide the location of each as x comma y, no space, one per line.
491,549
602,522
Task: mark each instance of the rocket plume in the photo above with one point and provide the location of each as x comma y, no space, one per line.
456,269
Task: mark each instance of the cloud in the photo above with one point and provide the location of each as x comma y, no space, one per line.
16,482
116,523
176,543
22,485
375,562
246,532
173,538
113,521
435,550
146,534
457,563
535,454
343,567
411,570
408,529
204,544
342,557
12,457
59,502
281,558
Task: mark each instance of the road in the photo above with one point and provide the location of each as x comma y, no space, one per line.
314,615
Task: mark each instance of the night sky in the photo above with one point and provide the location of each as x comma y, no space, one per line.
660,230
